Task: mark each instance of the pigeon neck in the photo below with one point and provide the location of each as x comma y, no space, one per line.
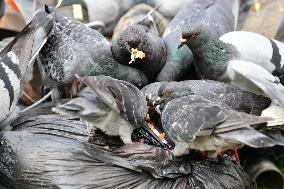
211,58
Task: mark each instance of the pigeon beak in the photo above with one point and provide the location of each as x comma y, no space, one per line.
182,42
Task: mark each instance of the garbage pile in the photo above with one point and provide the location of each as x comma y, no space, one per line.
153,94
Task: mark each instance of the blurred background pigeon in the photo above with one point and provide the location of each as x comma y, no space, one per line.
137,15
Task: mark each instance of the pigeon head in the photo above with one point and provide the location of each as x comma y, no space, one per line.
131,43
169,91
174,90
194,35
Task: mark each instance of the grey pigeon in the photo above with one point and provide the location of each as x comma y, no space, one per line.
137,14
247,60
73,48
228,94
168,8
16,63
116,107
141,38
188,106
219,15
193,122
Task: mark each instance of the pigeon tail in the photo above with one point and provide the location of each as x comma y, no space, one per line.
276,112
251,137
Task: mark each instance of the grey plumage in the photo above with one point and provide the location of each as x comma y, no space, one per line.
16,63
116,107
230,95
136,14
217,14
73,48
210,115
143,35
248,69
144,39
152,89
193,122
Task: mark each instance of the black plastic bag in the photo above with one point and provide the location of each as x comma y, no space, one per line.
53,151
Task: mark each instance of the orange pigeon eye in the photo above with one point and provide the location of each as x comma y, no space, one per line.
193,35
165,93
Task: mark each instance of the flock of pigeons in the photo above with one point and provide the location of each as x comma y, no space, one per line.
143,86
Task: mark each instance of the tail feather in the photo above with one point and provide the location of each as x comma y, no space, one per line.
251,137
275,112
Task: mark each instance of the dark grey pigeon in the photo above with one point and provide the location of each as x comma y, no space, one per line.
152,89
193,122
245,59
219,15
73,48
141,37
16,63
116,107
231,95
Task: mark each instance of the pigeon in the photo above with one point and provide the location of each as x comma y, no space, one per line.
73,48
193,122
138,13
140,46
168,8
220,94
16,63
108,12
247,60
190,121
151,90
219,15
113,106
237,99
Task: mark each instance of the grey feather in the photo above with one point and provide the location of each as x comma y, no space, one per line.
230,95
250,137
258,81
127,98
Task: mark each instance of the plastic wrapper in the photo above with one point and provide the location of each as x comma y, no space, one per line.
53,151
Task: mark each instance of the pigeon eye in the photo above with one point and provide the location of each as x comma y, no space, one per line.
165,93
193,35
